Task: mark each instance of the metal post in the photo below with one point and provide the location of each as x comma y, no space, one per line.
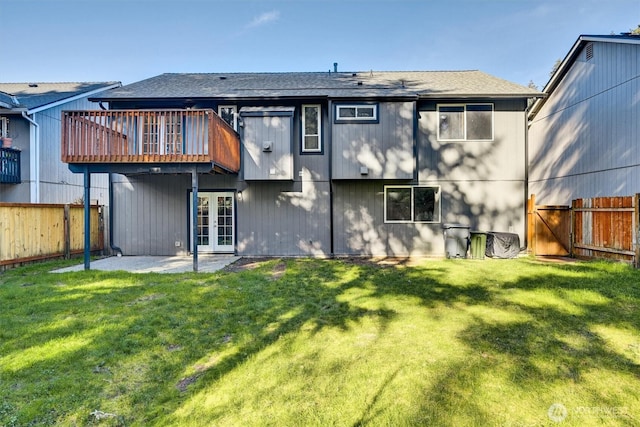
87,218
194,218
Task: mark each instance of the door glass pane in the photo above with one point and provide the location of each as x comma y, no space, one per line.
225,220
203,221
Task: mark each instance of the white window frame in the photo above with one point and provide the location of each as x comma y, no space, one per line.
4,127
437,209
304,128
157,133
234,109
464,119
340,118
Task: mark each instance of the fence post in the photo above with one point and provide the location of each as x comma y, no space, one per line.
635,223
67,232
572,233
531,224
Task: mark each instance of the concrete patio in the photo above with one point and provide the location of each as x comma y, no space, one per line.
157,264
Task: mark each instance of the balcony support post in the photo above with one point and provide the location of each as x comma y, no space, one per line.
87,218
194,217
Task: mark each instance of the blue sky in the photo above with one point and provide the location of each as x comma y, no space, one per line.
130,40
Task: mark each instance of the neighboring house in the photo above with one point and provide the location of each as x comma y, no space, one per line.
584,137
32,170
320,164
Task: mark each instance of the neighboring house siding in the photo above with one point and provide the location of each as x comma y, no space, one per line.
385,148
584,140
19,131
57,183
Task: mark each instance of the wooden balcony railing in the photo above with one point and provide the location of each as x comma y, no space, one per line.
149,136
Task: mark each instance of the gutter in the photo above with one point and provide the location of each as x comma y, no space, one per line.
34,158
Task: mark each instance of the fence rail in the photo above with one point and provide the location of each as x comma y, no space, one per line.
33,232
595,228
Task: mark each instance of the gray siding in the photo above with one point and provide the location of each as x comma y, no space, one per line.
502,159
276,161
584,140
360,228
483,185
151,214
386,148
275,222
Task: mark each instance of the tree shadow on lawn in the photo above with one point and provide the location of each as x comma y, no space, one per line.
165,342
556,346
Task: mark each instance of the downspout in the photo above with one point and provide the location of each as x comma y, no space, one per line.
526,176
112,246
34,159
330,155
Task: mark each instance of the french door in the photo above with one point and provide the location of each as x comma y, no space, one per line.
216,228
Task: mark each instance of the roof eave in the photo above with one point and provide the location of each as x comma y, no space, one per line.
71,98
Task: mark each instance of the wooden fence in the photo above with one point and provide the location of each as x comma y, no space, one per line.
595,228
31,232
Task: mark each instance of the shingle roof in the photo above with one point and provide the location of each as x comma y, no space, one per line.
34,95
7,101
378,84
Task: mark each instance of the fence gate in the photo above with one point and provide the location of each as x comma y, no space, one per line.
549,230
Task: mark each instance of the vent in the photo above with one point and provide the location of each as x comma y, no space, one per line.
589,51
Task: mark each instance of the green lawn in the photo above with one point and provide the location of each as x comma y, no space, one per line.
307,342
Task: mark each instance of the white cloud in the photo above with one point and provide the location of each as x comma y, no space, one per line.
264,18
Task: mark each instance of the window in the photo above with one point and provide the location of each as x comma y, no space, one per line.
161,133
469,122
359,113
229,113
311,137
411,204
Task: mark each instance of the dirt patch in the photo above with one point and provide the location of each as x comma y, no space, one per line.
278,270
184,383
246,264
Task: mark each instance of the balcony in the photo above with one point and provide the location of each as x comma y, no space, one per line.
9,166
131,140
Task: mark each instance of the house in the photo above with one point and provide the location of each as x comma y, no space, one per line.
306,164
30,159
583,137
